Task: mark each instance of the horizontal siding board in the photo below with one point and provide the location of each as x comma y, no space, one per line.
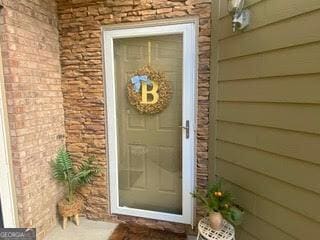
304,202
289,61
291,144
303,89
292,223
281,35
244,235
268,12
261,230
276,215
271,165
297,117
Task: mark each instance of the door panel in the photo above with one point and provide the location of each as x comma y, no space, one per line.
149,146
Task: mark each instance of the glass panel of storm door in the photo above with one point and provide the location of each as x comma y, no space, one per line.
149,146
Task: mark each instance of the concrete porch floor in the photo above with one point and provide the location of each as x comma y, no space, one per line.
88,229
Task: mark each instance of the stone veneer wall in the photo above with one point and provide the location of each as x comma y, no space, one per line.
30,52
80,23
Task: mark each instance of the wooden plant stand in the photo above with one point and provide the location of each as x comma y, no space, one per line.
65,220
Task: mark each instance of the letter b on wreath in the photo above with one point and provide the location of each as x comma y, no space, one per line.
145,93
149,91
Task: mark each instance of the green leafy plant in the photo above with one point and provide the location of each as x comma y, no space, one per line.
215,199
73,177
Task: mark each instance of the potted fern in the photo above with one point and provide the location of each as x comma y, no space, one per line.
220,205
73,178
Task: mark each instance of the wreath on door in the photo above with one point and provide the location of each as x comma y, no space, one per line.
149,90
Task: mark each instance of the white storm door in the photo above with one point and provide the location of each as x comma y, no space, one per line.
151,157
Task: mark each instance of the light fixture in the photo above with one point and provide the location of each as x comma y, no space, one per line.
241,17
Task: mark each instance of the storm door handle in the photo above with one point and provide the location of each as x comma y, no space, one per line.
187,128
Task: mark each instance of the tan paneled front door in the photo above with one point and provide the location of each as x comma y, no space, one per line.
149,146
153,167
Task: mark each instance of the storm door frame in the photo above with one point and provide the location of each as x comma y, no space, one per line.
188,30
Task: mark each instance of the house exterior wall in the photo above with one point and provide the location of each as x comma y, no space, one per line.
264,128
30,55
80,24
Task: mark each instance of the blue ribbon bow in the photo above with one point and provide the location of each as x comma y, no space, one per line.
136,81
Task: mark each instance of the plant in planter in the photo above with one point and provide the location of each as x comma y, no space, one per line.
73,178
220,205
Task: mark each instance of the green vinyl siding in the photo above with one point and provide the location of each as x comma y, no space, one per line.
265,116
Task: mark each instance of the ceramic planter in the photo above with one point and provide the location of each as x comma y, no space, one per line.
216,221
